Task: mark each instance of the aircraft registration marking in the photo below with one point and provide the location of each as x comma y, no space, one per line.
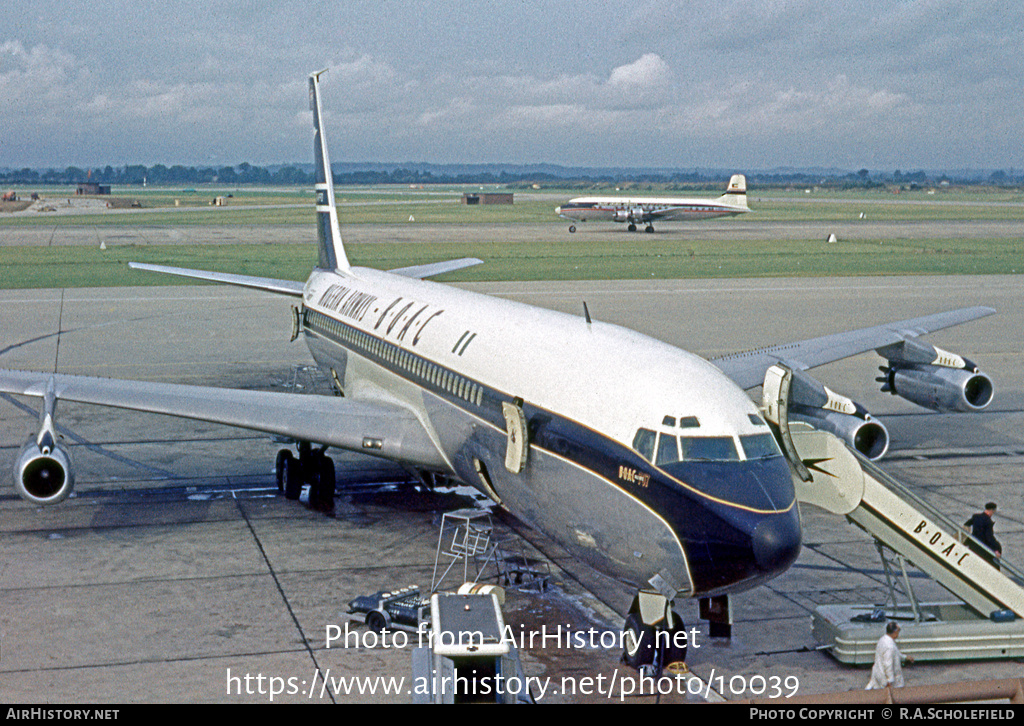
632,476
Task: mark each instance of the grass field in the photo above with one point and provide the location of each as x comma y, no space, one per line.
79,266
556,256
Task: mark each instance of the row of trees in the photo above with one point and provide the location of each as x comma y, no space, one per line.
247,174
160,174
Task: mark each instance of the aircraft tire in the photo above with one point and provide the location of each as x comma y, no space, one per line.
279,468
324,498
291,477
638,642
572,228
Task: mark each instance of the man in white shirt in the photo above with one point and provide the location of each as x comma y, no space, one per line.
887,670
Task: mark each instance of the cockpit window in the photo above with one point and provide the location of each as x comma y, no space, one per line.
709,448
668,449
760,446
643,443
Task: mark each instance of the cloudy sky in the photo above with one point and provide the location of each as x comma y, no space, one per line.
752,85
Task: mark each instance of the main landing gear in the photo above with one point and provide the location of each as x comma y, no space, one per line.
311,467
654,636
649,228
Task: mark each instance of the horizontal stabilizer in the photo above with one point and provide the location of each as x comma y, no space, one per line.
280,287
436,268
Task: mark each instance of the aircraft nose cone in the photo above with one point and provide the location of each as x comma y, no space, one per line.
776,543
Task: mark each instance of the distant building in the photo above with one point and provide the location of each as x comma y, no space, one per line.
487,198
93,189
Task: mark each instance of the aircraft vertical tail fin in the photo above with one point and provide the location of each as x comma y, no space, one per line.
736,193
332,249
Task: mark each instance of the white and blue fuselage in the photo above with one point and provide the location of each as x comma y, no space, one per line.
642,459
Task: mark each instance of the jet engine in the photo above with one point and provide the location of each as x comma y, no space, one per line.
937,388
43,473
824,409
867,436
934,378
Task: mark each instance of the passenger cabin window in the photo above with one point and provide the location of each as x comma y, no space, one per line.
689,422
643,443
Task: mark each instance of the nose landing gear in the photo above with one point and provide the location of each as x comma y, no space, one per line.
654,636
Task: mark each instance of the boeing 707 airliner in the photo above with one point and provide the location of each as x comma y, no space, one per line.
644,460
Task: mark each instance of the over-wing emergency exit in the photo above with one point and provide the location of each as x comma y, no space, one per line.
640,458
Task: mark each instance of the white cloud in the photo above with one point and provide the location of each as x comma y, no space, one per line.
33,81
648,71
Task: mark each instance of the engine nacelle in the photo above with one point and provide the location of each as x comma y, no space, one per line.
633,214
824,409
939,388
43,475
868,436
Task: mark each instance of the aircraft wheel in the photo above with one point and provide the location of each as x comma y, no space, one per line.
279,468
322,494
637,642
649,228
291,477
631,228
572,228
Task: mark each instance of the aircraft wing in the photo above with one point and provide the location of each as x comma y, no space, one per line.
377,428
663,213
748,368
683,212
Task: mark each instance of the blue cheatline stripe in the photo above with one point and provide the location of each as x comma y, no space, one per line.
585,447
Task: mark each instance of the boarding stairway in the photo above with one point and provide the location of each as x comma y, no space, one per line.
837,479
850,485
